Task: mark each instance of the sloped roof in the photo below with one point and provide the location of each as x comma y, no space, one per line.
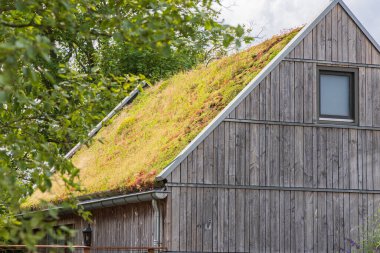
258,78
147,135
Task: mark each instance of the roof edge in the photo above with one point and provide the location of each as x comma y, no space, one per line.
246,91
113,201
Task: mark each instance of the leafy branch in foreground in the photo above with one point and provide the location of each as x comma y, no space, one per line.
56,82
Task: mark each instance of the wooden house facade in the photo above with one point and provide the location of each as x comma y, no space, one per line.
287,166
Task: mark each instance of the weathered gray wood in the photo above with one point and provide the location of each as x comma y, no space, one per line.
345,176
375,56
298,92
275,223
321,158
299,157
353,158
322,223
347,227
308,46
273,151
207,220
231,220
282,218
263,97
369,156
231,154
375,75
275,94
369,98
344,45
334,34
330,222
175,216
328,36
308,92
255,221
362,97
298,51
240,154
208,160
309,221
263,153
199,220
287,91
240,220
339,34
268,98
321,40
299,235
352,50
263,213
254,155
376,160
308,157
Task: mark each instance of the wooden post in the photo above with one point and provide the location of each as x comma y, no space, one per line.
86,250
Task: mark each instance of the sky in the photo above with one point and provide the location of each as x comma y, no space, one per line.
273,16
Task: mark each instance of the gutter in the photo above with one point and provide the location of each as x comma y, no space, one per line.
124,199
109,202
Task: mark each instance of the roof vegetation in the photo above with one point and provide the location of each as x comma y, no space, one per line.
148,134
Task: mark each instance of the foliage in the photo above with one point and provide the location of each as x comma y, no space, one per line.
54,85
148,134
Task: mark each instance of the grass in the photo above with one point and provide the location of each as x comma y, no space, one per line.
147,135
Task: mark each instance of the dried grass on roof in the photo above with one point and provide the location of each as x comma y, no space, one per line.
147,135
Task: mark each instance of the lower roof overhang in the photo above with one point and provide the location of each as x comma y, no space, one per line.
117,200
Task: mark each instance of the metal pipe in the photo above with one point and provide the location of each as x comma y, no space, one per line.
156,224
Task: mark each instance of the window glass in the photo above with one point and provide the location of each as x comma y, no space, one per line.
335,96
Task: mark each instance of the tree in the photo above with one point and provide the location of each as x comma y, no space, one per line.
55,83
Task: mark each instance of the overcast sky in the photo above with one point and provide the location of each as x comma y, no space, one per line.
276,15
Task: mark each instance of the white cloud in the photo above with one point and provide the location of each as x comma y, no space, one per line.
276,15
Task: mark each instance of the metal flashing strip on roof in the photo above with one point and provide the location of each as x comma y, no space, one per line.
96,129
256,81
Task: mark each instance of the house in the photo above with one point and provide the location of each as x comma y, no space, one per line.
284,153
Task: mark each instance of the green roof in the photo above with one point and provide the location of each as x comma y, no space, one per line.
141,140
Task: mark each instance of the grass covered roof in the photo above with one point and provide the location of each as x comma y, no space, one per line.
148,134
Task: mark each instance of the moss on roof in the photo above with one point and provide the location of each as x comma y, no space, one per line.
147,135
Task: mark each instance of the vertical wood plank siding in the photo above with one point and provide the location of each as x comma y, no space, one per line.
129,225
317,176
275,220
290,156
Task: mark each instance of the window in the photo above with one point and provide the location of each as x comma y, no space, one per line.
337,95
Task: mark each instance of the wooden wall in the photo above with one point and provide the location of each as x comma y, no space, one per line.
222,219
129,225
337,39
254,154
289,94
270,177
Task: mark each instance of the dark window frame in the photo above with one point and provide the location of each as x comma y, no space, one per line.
353,75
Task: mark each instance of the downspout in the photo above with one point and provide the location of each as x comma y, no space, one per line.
156,224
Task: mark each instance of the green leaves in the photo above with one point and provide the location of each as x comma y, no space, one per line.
65,64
